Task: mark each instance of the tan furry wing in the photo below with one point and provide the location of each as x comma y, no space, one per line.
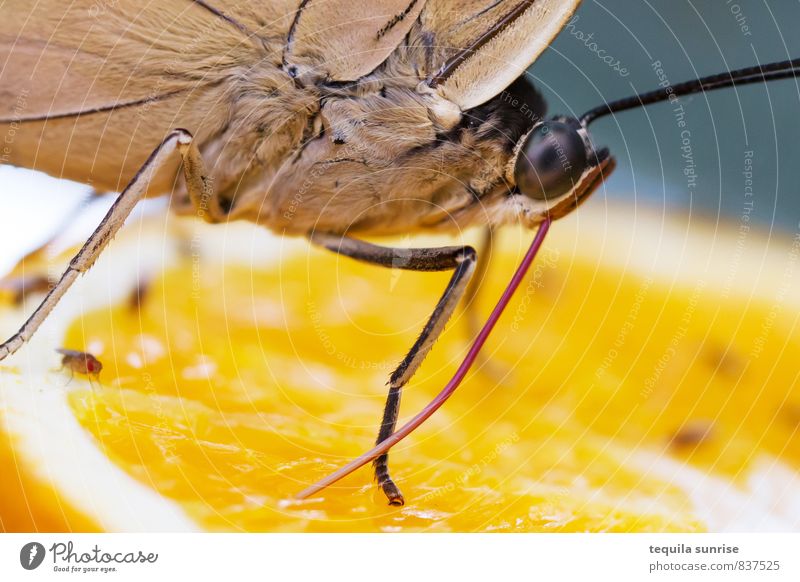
347,39
473,49
135,69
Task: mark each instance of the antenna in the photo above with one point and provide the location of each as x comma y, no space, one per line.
746,76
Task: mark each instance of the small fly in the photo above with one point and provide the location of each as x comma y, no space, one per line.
81,363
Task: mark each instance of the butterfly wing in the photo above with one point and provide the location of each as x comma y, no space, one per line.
343,40
88,88
133,71
473,50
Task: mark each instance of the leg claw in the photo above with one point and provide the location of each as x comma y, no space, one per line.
396,498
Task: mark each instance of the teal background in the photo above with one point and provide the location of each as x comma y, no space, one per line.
690,39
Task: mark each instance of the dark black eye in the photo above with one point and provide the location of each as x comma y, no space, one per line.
551,161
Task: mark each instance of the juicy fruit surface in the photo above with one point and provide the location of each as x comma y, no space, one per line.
612,400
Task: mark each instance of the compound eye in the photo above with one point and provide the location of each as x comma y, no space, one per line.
551,161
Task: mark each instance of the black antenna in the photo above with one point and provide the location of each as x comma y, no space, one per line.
770,72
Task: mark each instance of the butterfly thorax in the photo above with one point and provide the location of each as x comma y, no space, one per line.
380,155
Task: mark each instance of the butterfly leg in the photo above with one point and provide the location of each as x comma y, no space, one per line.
473,317
461,260
199,187
474,321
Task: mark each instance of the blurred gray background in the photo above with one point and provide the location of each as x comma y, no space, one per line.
690,39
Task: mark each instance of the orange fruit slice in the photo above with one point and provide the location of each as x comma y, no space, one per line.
644,379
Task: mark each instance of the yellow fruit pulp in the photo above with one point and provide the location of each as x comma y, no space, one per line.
230,388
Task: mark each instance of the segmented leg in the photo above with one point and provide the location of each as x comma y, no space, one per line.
199,189
461,260
474,320
473,316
